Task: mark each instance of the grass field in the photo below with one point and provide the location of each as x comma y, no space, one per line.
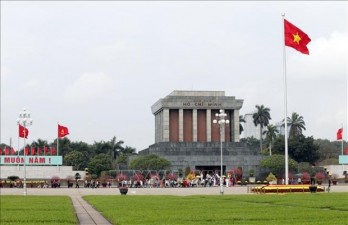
279,209
34,210
282,209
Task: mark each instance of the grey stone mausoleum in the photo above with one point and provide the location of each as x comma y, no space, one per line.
186,135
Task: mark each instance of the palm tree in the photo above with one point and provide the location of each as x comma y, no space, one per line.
115,149
261,117
271,134
124,155
241,120
296,124
39,143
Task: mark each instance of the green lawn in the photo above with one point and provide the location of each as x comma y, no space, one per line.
282,209
34,210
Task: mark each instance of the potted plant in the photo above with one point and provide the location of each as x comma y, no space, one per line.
251,176
122,179
138,179
319,177
13,180
306,178
271,179
334,179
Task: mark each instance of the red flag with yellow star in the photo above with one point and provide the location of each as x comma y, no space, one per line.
295,37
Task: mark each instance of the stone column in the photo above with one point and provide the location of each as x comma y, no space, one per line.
194,125
208,125
236,125
181,125
157,128
165,125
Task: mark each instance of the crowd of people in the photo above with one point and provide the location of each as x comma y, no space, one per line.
210,180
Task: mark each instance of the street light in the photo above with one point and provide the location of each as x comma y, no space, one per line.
24,120
222,121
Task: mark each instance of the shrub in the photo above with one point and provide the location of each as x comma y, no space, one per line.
305,176
319,176
271,177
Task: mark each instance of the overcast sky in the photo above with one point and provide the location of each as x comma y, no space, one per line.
98,67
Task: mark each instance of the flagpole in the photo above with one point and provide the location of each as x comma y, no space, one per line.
18,146
57,142
285,108
342,138
57,139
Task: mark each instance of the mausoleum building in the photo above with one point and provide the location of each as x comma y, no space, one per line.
186,135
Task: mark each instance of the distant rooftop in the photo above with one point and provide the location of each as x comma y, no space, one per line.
197,93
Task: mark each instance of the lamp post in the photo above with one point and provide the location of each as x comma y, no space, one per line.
221,121
24,120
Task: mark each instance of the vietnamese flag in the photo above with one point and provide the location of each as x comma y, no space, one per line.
13,152
23,132
38,151
62,131
339,134
295,37
0,151
346,151
7,151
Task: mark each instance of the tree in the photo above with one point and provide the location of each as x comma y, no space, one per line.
328,149
241,120
261,117
39,143
99,163
124,155
76,159
84,148
276,164
301,149
296,124
271,134
115,147
64,145
251,142
150,162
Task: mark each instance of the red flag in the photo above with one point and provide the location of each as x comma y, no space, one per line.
339,134
38,151
53,151
62,131
0,151
7,151
26,151
23,132
346,151
13,152
45,150
296,38
32,150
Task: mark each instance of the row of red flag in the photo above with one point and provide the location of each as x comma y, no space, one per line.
29,151
23,132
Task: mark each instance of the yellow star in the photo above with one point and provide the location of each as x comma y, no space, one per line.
297,38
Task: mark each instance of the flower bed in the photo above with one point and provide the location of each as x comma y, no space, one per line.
285,188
